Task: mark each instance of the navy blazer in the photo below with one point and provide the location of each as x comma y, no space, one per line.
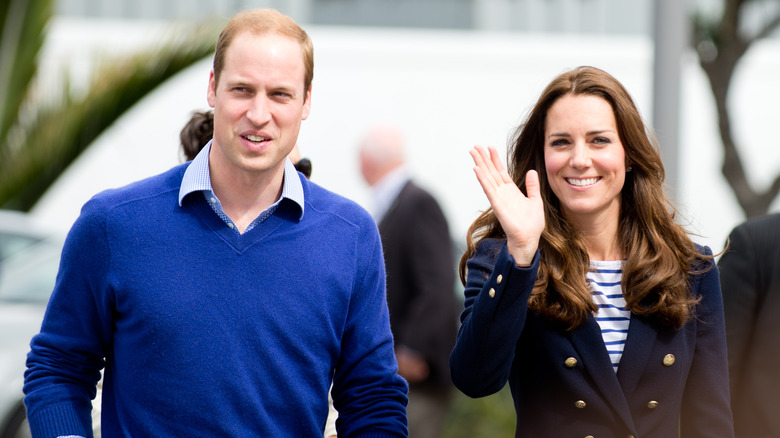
669,382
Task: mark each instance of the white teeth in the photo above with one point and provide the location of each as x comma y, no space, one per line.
582,182
255,138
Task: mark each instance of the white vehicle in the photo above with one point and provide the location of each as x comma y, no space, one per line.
29,259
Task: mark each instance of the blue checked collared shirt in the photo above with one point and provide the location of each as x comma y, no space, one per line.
198,179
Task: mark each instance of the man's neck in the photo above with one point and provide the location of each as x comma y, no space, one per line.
244,196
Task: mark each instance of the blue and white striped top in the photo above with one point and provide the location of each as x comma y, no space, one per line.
613,317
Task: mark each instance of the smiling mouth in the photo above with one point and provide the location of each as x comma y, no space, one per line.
582,182
256,138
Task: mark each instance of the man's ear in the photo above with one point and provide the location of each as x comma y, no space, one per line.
211,94
306,105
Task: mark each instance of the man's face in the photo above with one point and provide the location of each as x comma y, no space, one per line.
258,104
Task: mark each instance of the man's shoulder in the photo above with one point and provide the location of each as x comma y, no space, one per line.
414,193
148,189
757,231
769,223
415,203
324,201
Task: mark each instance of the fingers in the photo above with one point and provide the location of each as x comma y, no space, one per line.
478,155
501,172
491,173
532,186
483,168
480,169
489,163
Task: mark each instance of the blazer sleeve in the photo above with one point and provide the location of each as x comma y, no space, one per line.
706,410
495,308
739,276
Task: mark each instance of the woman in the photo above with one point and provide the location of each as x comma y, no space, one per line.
603,315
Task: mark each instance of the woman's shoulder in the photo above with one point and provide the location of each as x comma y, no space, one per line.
702,249
704,274
704,260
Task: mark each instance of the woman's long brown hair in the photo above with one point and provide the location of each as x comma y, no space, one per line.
659,254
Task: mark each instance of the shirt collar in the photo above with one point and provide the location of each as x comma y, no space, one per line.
197,178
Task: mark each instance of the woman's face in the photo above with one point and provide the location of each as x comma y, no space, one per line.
584,158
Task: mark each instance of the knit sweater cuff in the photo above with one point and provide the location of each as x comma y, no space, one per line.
56,421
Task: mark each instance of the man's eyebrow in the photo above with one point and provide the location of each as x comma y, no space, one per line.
237,83
286,88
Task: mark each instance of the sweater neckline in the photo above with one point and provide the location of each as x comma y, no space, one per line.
238,241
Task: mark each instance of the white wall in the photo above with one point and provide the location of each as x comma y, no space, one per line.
449,91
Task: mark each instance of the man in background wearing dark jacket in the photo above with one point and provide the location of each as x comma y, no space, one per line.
750,281
420,278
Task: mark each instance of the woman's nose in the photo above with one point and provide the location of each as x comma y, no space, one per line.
579,156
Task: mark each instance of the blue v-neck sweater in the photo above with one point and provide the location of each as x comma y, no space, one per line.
207,332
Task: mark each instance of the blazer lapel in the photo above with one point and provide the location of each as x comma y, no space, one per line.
588,342
639,343
394,206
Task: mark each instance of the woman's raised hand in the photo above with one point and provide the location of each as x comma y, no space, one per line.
521,217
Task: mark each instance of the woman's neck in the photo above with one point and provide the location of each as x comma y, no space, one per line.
600,236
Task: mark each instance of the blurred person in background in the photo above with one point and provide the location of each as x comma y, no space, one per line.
224,296
581,290
750,281
196,133
420,277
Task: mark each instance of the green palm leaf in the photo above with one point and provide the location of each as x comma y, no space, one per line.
39,146
22,33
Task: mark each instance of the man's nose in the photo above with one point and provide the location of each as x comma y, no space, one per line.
259,110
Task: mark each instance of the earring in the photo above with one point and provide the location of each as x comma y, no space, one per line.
629,169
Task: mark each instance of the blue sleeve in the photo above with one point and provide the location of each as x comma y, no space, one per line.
706,409
495,308
65,359
368,393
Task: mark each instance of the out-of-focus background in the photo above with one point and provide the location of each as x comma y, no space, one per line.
93,94
451,73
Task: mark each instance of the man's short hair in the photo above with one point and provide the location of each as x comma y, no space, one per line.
260,22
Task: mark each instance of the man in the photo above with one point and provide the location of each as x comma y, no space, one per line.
420,278
750,281
225,295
